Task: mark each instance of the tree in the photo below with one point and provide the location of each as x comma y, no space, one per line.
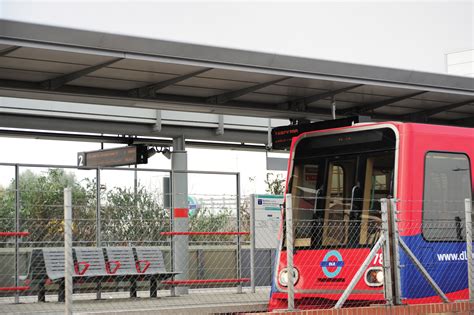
275,184
42,205
129,217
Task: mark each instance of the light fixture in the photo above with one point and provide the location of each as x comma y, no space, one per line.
283,276
150,152
374,277
167,153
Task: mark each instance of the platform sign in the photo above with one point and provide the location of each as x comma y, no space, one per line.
267,219
130,155
283,135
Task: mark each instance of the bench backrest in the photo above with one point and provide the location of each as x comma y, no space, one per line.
154,256
54,262
126,258
36,267
94,257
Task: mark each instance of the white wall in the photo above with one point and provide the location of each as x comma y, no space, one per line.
460,63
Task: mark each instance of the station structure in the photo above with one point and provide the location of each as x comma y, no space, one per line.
60,83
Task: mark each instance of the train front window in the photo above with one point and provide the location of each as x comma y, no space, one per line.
336,195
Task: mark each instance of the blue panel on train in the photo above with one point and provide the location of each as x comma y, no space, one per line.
446,262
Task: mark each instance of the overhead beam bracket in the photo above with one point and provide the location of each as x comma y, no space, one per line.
151,89
57,82
8,50
301,103
425,114
370,107
225,97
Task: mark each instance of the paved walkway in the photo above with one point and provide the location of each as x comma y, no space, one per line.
198,301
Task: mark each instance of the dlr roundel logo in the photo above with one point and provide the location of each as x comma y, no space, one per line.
332,263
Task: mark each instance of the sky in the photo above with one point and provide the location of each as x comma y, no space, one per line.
402,34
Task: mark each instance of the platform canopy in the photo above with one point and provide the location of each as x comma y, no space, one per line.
69,65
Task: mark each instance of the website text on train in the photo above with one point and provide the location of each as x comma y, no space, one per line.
337,177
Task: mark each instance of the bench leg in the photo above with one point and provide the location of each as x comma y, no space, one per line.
42,292
62,292
133,288
153,287
98,294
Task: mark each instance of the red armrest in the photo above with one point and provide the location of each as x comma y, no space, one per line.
139,265
114,262
83,271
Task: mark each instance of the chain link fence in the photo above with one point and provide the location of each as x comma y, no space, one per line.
122,248
122,242
385,252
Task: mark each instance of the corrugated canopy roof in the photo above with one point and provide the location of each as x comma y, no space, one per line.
54,63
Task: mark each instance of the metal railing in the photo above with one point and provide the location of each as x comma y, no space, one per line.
413,267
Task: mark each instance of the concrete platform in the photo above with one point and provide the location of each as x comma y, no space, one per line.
198,301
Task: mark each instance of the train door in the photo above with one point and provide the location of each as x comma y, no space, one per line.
342,186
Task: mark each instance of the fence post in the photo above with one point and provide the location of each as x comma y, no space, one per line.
239,246
98,232
68,265
252,242
17,229
396,253
470,266
387,273
289,251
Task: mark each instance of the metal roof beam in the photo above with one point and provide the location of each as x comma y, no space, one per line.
225,97
127,140
8,50
423,115
30,122
151,89
92,95
57,82
370,107
301,103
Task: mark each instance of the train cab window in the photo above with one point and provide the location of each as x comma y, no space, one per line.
336,183
378,179
447,184
337,210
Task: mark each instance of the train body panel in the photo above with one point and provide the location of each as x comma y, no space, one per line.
326,265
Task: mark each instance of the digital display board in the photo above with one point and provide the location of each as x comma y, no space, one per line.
282,136
134,154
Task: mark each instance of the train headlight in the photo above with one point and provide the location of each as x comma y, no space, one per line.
374,277
283,276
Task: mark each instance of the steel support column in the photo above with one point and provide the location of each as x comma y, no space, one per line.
17,229
180,243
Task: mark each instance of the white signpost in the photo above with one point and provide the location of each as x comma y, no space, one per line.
265,215
267,211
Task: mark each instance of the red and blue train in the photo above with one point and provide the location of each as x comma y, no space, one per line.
336,178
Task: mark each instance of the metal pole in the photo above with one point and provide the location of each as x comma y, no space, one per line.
289,251
396,253
239,246
179,162
252,242
423,271
135,184
172,245
17,229
98,224
387,273
470,266
68,265
360,272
